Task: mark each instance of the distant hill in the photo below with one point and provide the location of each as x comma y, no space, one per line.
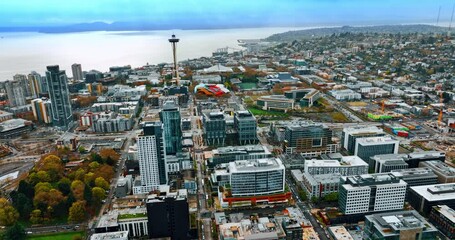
319,32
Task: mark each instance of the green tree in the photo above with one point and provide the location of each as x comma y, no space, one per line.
16,232
77,212
302,195
8,215
88,178
331,197
36,216
23,205
102,183
81,149
77,189
64,185
43,176
98,194
314,199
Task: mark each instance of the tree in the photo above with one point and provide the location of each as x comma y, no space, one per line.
303,196
26,189
23,205
96,158
77,212
109,155
105,171
64,186
79,174
88,194
77,188
331,197
82,149
98,194
314,199
36,216
52,165
42,187
8,215
43,176
88,178
100,182
93,166
16,232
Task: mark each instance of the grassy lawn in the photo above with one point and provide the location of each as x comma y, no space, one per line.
58,236
260,112
132,215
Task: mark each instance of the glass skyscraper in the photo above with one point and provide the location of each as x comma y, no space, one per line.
58,92
170,117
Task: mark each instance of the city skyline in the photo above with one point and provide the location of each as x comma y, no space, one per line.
211,14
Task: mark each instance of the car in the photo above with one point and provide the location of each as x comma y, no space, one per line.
29,232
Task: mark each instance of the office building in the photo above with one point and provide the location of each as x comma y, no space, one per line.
151,154
403,225
443,218
168,216
229,154
445,173
246,126
5,116
345,95
256,177
415,158
251,181
309,139
347,166
264,229
36,84
111,123
170,117
15,92
42,110
276,102
77,71
214,124
57,83
388,162
317,185
371,193
416,176
370,146
304,97
350,134
423,198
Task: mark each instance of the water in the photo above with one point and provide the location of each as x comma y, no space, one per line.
25,52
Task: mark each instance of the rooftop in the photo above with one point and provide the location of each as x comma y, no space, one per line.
121,235
376,140
255,165
240,150
412,172
362,130
391,223
440,167
340,233
436,192
345,161
13,124
373,179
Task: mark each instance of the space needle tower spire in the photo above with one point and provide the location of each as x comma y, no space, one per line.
173,40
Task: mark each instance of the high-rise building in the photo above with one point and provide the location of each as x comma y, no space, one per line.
24,83
350,134
246,126
170,117
151,153
371,193
15,93
77,71
309,139
214,128
42,109
168,217
58,92
370,146
35,81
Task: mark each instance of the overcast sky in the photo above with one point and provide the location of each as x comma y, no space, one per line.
264,12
